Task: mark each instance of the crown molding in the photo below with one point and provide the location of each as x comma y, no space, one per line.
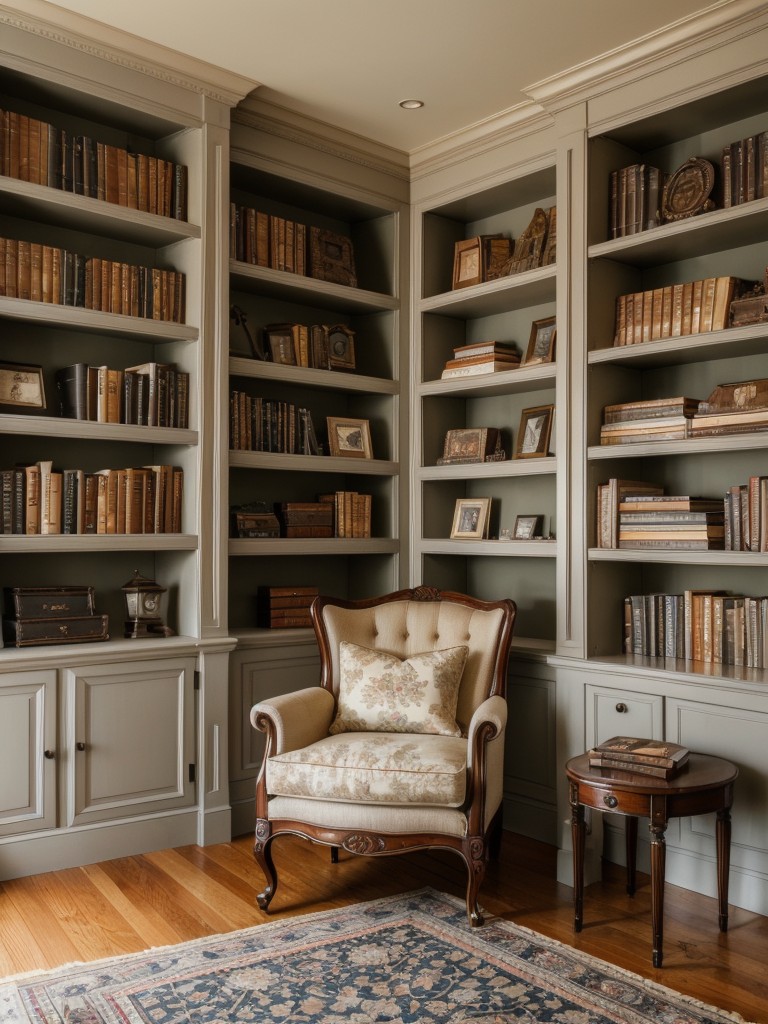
271,118
130,51
483,136
718,24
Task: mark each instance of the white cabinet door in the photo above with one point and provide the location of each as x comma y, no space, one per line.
27,751
130,739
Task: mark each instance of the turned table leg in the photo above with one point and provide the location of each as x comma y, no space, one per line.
658,859
723,840
578,832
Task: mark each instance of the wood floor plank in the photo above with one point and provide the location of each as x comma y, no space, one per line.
174,895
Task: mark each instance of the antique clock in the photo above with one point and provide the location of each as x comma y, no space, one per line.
143,602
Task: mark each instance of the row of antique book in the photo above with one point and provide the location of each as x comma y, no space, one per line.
47,273
737,408
149,394
39,152
270,425
635,514
640,756
280,243
677,310
335,514
39,499
709,626
636,192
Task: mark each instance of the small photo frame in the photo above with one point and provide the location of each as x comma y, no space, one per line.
528,527
22,388
332,257
534,432
470,518
349,438
467,263
541,344
282,349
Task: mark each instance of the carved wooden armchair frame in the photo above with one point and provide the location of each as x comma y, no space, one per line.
471,829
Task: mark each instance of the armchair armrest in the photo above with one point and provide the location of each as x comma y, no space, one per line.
485,761
294,720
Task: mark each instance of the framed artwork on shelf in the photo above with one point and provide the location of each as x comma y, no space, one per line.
471,444
534,432
467,263
282,349
541,344
349,437
528,527
22,388
470,518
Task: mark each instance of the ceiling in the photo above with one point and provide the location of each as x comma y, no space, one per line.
349,62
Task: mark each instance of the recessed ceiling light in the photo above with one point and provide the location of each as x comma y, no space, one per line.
411,104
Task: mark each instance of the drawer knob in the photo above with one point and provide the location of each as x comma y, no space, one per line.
80,745
50,754
622,708
610,800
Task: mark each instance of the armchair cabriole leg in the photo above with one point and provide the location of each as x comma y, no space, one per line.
475,855
262,851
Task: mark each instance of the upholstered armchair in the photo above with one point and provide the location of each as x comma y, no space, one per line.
401,746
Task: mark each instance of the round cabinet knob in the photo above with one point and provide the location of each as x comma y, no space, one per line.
610,800
622,708
80,745
50,754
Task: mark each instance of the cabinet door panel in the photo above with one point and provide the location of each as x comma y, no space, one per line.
622,713
739,735
27,730
133,735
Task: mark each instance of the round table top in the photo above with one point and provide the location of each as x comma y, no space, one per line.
701,772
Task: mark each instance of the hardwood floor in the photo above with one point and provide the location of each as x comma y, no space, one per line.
166,897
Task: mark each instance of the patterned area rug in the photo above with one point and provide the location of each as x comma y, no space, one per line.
403,959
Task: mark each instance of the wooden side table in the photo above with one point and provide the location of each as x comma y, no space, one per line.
705,785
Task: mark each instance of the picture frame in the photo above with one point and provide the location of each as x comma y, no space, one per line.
471,444
22,388
470,519
349,438
467,263
534,433
280,343
528,527
340,346
332,257
541,344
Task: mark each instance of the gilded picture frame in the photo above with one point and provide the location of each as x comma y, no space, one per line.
349,438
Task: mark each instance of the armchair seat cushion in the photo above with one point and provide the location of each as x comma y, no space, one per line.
374,768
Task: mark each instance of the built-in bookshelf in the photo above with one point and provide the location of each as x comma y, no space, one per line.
274,283
720,244
501,309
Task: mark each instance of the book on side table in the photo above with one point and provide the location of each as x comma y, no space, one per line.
642,756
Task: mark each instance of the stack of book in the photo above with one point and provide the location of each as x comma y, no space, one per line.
693,307
481,357
733,409
47,273
640,756
284,607
746,515
706,626
609,497
150,394
39,152
658,419
305,518
351,513
671,521
745,170
635,199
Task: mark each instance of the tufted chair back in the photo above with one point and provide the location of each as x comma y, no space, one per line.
413,622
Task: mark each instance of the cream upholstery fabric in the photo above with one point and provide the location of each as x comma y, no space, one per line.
370,817
405,628
379,692
388,768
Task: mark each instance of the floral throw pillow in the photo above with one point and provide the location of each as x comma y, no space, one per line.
379,692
